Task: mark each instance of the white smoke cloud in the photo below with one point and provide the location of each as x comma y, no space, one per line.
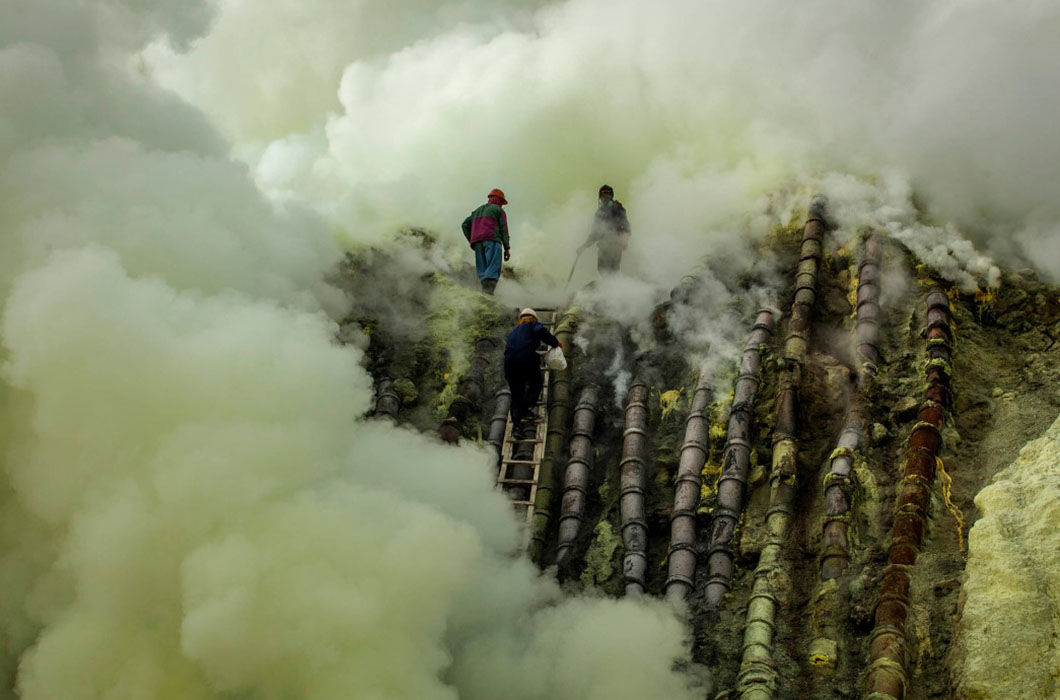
192,505
693,111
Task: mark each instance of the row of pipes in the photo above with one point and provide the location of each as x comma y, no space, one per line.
887,677
823,651
757,677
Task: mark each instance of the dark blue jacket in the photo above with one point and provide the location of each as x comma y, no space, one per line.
524,340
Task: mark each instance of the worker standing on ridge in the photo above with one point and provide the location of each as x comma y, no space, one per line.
610,232
522,365
487,232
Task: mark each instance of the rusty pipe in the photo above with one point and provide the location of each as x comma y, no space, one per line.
682,559
631,504
887,676
736,461
758,674
576,476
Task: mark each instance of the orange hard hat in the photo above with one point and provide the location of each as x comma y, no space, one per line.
497,193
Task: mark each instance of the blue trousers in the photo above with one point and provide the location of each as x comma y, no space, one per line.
488,257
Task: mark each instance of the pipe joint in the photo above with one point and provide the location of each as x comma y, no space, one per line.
631,459
682,513
631,490
842,481
634,522
700,445
738,479
721,548
842,451
780,508
922,425
733,441
683,547
842,518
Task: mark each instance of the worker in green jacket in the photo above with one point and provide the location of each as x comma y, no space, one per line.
487,232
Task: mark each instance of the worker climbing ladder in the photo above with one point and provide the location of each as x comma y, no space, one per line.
521,453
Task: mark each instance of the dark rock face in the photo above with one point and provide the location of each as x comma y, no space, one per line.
1004,373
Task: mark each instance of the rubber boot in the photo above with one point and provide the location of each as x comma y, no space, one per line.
488,286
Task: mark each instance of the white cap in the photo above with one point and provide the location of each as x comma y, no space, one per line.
528,312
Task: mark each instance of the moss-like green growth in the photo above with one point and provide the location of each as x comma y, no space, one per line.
407,391
784,235
601,559
458,316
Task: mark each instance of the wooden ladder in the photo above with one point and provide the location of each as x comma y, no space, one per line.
522,490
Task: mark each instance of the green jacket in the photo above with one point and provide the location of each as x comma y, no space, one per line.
487,223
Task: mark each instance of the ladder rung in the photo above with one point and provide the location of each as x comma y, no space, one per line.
518,461
522,503
531,482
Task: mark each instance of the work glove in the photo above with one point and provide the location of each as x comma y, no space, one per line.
507,255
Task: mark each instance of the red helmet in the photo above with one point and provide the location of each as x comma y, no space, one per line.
497,193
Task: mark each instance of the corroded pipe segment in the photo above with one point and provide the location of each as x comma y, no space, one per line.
501,405
838,482
887,676
868,308
631,506
555,438
837,496
387,401
797,341
758,674
823,651
736,460
576,477
682,560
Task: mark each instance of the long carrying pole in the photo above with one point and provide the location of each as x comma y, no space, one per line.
575,265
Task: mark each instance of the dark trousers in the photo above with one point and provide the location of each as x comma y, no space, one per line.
608,257
525,380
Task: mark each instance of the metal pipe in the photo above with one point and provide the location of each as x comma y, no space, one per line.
837,496
631,504
887,675
823,651
576,476
736,461
387,401
836,554
682,559
555,439
868,309
499,422
757,678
